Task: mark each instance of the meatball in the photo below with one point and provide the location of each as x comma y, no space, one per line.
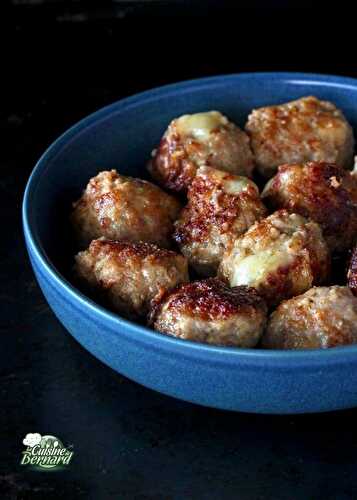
352,272
130,275
221,206
322,191
303,130
320,318
281,256
192,141
123,208
211,312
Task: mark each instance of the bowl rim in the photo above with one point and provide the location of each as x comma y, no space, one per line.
139,333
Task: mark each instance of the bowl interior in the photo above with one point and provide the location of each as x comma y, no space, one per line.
122,136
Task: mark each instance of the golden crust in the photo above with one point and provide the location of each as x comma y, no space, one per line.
209,311
281,256
221,206
179,154
322,317
124,208
322,191
130,275
298,131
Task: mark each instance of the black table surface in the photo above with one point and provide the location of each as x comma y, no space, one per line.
130,442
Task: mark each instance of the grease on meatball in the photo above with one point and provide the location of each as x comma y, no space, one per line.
322,191
130,275
211,312
298,131
281,256
124,208
320,318
192,141
221,206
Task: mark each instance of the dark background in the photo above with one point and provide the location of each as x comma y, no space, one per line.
60,61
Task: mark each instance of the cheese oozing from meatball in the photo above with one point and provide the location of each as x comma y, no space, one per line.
197,140
253,268
281,256
200,125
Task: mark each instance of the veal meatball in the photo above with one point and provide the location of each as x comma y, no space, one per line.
209,311
197,140
322,191
281,256
124,208
303,130
130,275
352,272
320,318
221,206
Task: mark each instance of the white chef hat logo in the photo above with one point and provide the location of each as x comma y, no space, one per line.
32,439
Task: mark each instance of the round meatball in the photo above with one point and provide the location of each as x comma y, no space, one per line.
130,275
192,141
123,208
211,312
303,130
320,318
220,207
322,191
281,256
352,272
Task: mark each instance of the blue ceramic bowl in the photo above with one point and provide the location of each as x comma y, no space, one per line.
121,136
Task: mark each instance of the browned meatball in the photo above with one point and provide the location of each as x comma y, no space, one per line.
209,311
192,141
322,191
352,272
320,318
220,207
281,256
303,130
130,275
123,208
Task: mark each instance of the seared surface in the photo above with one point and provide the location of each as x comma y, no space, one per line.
322,191
211,312
303,130
320,318
124,208
221,206
130,275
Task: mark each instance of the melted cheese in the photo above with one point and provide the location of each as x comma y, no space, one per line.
238,185
200,125
252,269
